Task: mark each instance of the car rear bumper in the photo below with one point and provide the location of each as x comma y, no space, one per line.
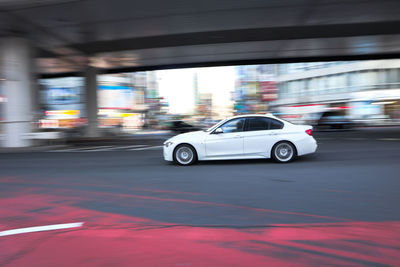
307,146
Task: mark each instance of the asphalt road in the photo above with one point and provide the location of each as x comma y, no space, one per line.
339,206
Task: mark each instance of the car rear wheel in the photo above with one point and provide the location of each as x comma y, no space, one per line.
283,152
185,155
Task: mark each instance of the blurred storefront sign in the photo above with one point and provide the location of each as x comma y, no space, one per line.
59,96
115,97
61,91
255,86
61,123
61,102
61,119
63,113
109,118
375,95
112,79
269,91
46,123
249,89
3,99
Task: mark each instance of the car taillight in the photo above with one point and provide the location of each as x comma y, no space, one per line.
309,132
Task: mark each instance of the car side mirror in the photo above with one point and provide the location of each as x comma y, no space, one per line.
218,131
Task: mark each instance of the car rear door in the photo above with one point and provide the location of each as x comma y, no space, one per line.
260,134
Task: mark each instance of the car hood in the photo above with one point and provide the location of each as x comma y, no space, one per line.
188,136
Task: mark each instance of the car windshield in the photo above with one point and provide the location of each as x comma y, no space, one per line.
213,127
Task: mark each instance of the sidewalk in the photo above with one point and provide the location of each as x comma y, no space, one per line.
133,137
142,137
29,149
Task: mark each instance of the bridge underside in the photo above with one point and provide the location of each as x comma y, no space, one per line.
140,35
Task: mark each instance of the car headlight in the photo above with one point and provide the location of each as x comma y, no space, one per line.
167,144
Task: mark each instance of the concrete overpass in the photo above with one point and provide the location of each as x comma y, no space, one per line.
62,37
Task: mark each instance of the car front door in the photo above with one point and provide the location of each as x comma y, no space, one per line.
227,140
261,133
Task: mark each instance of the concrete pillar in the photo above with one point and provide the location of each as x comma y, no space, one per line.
16,85
91,103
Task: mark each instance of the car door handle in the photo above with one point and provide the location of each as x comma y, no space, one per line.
237,136
273,134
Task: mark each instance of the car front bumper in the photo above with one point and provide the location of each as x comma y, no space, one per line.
167,152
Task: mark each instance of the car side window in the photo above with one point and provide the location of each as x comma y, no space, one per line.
262,124
257,124
235,125
275,124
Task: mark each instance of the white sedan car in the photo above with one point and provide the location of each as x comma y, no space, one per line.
242,137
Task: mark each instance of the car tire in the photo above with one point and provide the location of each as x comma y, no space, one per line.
283,152
185,155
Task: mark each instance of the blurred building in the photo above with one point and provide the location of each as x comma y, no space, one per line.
202,101
152,100
130,100
124,101
255,87
204,107
139,83
120,104
363,90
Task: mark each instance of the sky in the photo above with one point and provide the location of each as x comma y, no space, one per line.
177,87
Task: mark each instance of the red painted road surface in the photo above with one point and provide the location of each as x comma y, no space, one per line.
108,239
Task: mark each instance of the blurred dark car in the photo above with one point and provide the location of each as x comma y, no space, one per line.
182,127
334,120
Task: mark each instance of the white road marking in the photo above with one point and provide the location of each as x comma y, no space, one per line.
93,148
120,147
98,148
41,228
132,146
357,138
61,150
147,148
389,139
107,148
79,149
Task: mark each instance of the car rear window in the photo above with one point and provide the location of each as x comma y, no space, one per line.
275,124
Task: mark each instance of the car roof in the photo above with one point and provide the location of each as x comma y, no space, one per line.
269,115
266,115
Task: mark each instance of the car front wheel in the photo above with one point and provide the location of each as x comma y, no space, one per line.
283,152
185,155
